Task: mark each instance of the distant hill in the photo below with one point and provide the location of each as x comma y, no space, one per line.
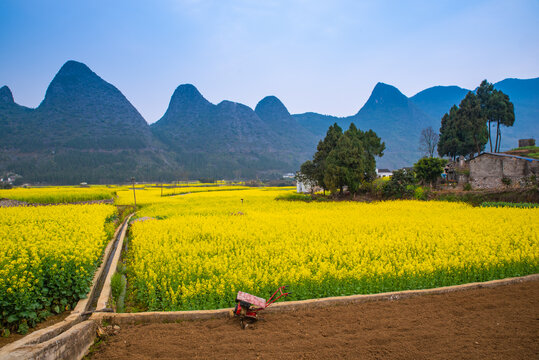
437,100
86,130
230,139
525,96
398,120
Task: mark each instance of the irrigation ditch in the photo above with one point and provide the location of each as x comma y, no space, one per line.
73,337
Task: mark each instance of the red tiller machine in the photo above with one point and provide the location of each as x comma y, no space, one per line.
248,306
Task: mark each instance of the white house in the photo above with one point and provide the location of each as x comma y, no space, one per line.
303,188
383,173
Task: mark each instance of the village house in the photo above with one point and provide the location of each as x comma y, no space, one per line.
496,170
381,173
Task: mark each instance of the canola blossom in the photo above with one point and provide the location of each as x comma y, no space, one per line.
148,195
201,248
58,194
47,258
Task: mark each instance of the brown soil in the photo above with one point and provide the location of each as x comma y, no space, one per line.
51,320
488,323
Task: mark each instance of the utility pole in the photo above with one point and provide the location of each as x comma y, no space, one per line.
134,195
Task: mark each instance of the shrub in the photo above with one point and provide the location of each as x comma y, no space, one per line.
421,193
511,205
117,284
295,197
506,181
467,187
428,170
399,184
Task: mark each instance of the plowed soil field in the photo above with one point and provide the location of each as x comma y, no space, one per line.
488,323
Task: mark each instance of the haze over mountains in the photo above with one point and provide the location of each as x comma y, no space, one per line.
86,130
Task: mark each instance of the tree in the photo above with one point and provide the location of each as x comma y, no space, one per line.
344,159
428,141
449,142
472,125
324,147
496,108
428,170
463,130
401,184
307,174
501,111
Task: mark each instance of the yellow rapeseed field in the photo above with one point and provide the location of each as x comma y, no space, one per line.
58,194
202,248
47,259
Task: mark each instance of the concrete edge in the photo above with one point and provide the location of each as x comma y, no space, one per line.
82,305
72,344
103,300
174,316
42,335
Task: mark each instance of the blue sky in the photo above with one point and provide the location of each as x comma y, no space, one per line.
322,56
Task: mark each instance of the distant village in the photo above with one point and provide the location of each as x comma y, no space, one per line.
485,171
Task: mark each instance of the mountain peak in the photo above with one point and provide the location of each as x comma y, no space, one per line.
385,94
6,97
382,89
74,80
72,67
271,107
187,96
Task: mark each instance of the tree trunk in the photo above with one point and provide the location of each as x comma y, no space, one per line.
489,137
497,132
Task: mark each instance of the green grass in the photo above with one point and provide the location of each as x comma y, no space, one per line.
508,204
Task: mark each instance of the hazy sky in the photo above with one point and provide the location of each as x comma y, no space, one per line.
322,56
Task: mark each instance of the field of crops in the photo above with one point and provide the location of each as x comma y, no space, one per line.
202,248
47,259
169,194
60,194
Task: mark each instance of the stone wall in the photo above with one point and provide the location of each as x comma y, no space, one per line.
526,142
487,171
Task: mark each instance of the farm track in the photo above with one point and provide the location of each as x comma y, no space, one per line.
500,322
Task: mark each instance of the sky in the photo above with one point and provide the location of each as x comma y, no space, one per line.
320,56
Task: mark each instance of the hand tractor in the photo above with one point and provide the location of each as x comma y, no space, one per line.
248,306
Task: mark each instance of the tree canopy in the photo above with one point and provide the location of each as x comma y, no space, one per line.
466,129
344,159
428,170
463,130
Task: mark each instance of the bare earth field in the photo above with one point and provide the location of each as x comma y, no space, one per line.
489,323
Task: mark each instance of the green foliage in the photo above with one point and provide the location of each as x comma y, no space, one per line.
497,109
420,193
295,197
317,171
344,159
467,187
401,184
511,205
506,181
117,283
428,170
463,130
301,197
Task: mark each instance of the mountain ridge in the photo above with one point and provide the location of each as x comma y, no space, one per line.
85,129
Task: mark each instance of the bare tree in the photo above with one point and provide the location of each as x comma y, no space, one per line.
428,141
